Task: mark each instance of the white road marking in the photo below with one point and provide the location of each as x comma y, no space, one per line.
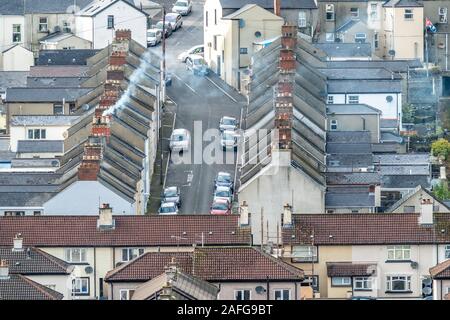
226,93
185,83
190,176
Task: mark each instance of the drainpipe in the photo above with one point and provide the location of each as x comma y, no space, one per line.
268,289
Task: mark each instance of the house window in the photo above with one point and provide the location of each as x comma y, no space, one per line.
399,253
360,37
80,286
408,14
304,254
131,253
442,15
66,27
353,99
354,13
71,108
341,281
36,134
36,213
409,209
215,42
373,11
447,251
329,10
362,283
398,283
43,24
206,19
330,99
282,294
76,255
242,295
329,37
333,125
14,213
110,22
375,41
58,109
243,51
302,19
215,17
17,34
126,294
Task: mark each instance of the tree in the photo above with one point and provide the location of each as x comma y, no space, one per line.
408,113
441,191
441,148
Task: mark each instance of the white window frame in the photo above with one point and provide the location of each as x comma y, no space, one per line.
302,19
304,253
66,27
329,37
391,279
80,281
15,33
33,131
330,99
366,283
241,291
333,125
373,11
353,99
126,293
329,8
108,20
442,14
408,14
282,293
352,13
341,281
135,252
43,26
69,255
447,251
399,253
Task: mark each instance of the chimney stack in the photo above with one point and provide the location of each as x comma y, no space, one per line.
244,219
4,269
18,243
287,215
90,165
105,220
426,212
277,7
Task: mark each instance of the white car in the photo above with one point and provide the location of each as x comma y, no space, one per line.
175,20
168,208
183,7
180,140
223,193
198,50
229,140
197,65
228,123
154,37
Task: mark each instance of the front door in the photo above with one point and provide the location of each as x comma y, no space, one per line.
218,66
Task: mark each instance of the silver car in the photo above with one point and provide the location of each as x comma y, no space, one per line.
228,123
229,140
168,208
175,20
180,140
223,193
183,7
171,194
154,37
197,64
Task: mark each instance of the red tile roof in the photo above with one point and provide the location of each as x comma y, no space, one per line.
62,231
441,270
18,287
210,264
360,229
350,269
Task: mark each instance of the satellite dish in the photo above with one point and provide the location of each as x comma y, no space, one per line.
55,163
86,107
260,289
427,282
414,265
427,291
88,269
389,98
391,52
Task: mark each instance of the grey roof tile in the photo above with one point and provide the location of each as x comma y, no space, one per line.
45,94
268,4
65,57
29,146
364,86
356,50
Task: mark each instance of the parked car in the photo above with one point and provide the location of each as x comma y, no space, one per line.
172,194
175,20
228,123
154,37
223,179
223,193
183,7
220,206
180,140
362,298
168,79
168,208
198,50
229,140
197,64
168,28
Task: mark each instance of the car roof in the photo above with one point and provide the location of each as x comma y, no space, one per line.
222,173
223,188
168,204
221,201
171,188
195,56
197,46
227,117
154,30
172,14
229,131
179,131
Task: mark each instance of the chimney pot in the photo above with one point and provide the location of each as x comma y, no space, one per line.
287,215
4,269
426,212
244,219
18,242
105,220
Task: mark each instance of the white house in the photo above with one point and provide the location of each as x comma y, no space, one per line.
12,24
16,58
98,21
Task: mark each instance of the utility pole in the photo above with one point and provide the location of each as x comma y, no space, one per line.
312,260
426,49
163,69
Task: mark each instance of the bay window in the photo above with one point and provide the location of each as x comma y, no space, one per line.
398,283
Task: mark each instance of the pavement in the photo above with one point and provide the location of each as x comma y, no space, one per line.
196,98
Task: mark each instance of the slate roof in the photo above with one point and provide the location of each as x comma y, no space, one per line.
363,229
351,109
96,6
403,159
349,199
67,82
364,86
359,73
388,123
25,199
32,261
405,181
25,146
65,57
354,178
441,270
45,94
348,137
402,3
18,287
392,65
52,231
13,79
58,71
268,4
350,269
211,264
44,120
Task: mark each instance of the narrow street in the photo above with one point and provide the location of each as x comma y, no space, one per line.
196,98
